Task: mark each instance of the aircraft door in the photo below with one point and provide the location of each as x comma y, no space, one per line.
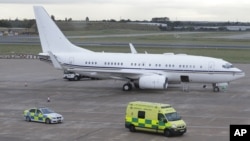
71,60
184,78
211,66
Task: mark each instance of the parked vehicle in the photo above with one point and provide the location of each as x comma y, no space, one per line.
44,114
154,117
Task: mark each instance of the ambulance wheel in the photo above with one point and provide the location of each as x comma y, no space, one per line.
47,121
167,133
28,119
132,128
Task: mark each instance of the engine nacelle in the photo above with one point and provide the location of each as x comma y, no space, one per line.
153,82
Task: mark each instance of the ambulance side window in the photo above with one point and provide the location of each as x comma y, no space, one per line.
141,114
161,117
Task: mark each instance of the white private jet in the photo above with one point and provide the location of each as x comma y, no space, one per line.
145,71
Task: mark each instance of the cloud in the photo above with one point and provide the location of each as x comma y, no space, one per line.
212,10
38,1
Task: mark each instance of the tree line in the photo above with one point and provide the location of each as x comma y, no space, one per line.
171,25
26,23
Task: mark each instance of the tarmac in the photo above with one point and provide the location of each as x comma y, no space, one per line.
94,110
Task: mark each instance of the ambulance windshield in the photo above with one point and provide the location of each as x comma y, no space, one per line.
173,116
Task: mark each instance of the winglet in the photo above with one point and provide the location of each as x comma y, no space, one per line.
55,63
132,48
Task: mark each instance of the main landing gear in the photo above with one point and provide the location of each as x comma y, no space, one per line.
127,87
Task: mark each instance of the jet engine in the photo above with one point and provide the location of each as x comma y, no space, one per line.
153,82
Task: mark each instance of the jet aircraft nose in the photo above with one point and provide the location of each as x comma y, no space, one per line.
239,73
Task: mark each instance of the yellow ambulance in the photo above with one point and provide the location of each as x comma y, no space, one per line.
154,117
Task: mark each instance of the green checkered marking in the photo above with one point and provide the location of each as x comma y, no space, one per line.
141,125
148,121
134,119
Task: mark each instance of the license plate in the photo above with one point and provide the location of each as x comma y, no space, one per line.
181,130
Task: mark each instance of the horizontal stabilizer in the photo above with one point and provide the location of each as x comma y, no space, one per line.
56,64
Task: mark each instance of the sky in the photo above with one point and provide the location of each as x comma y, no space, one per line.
176,10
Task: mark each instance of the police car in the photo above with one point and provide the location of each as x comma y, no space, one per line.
45,115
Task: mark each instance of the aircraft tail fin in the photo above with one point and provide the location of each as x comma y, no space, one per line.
51,37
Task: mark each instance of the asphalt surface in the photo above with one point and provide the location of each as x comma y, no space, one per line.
94,110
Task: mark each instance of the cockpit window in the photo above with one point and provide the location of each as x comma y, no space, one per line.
227,66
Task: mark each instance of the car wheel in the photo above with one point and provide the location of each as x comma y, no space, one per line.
75,78
28,119
47,121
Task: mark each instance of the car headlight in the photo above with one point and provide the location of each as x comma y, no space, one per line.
173,126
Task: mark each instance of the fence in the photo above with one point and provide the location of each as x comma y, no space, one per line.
19,56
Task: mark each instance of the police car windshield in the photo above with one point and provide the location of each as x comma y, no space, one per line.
173,116
46,111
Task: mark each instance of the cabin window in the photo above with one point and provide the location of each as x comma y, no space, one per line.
121,63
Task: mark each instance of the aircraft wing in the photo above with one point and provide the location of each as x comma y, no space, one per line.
130,74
